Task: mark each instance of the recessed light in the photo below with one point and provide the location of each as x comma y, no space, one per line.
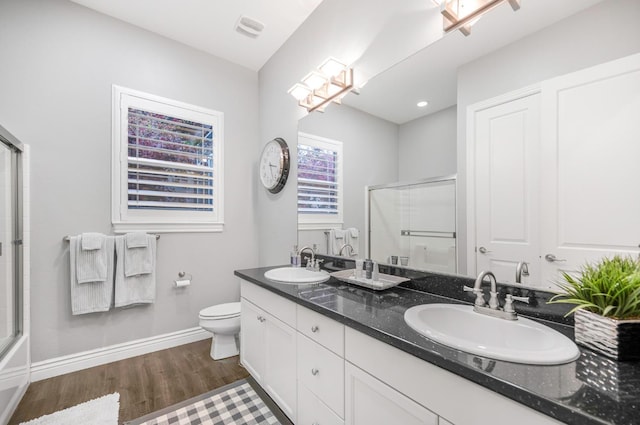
422,103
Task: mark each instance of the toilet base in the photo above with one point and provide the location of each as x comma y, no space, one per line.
223,346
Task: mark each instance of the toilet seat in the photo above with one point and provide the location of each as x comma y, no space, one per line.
221,311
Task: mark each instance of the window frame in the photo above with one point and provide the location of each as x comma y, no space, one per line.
322,221
125,220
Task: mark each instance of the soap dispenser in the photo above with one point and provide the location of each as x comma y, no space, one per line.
295,257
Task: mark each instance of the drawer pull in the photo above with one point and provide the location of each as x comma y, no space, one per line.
314,329
314,371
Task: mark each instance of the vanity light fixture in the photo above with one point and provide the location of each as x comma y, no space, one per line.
329,83
462,14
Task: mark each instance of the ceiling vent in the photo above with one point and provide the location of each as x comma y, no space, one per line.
249,27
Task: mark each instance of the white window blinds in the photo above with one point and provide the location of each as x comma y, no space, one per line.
319,179
168,164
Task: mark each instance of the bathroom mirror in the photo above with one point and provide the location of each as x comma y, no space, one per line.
388,139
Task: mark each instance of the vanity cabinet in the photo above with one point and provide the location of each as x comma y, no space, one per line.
268,344
320,368
371,402
382,375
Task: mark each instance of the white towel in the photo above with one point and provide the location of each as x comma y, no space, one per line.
136,240
90,297
91,241
336,241
138,258
91,263
139,289
352,238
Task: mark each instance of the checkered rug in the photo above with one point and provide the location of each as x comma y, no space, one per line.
236,403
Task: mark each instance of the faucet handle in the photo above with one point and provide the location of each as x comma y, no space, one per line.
466,288
508,302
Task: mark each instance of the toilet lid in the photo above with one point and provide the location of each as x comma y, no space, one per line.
221,310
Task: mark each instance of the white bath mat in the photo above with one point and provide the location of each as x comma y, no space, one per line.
99,411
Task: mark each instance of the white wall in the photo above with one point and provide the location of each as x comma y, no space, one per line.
370,151
351,32
59,61
606,31
427,146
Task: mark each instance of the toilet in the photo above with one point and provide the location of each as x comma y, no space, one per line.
223,321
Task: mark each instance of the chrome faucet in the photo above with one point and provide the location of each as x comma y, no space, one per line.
346,246
477,289
310,262
493,309
522,269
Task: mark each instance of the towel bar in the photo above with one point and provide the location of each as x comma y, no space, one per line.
67,238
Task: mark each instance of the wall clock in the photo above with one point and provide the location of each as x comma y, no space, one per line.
274,165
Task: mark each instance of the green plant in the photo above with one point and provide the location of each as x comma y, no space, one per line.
610,288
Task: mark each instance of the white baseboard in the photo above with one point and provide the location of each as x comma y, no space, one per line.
86,359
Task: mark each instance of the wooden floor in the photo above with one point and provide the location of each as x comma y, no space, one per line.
146,383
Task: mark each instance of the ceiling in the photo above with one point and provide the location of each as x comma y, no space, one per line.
431,74
209,25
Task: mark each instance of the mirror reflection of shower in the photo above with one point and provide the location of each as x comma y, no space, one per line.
414,224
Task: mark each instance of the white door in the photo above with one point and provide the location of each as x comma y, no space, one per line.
252,343
590,179
371,402
506,141
280,364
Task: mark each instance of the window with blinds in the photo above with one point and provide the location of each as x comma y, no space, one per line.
319,180
168,160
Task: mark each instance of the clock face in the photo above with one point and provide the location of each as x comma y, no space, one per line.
274,165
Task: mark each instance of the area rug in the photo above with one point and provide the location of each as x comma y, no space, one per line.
99,411
236,403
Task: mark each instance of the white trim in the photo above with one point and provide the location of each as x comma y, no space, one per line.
143,220
86,359
319,226
472,110
168,228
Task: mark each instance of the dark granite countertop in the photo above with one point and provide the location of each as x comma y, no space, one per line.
590,390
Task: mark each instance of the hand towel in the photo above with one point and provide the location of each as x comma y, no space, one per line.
137,289
138,260
136,240
336,241
91,297
91,264
352,238
91,241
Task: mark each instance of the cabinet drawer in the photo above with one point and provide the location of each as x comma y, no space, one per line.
312,411
322,372
321,329
273,304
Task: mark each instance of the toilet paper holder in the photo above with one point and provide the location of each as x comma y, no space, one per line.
184,279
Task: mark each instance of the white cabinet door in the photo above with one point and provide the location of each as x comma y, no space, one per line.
252,339
280,364
591,147
506,142
371,402
268,352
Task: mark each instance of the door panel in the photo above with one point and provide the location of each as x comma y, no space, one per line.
506,170
590,136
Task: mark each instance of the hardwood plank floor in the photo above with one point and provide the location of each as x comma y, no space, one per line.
146,383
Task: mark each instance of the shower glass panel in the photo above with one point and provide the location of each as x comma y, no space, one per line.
10,299
414,224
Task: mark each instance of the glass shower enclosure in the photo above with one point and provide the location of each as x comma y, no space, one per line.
14,344
414,224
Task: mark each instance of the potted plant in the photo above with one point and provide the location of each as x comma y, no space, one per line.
607,306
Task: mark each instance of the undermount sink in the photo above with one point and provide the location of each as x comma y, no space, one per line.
296,275
518,341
